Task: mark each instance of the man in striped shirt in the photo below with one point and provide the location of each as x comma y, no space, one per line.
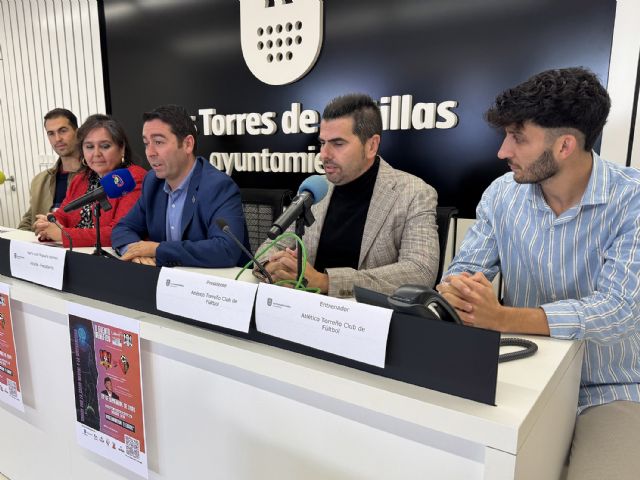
563,228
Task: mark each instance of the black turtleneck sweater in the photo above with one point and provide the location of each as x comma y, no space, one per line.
341,236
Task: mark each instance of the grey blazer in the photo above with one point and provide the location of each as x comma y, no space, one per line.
400,240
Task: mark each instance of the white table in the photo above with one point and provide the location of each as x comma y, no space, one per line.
222,407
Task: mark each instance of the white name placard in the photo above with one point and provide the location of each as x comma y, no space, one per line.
342,327
37,263
206,298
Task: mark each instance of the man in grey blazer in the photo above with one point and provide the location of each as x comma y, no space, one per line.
376,228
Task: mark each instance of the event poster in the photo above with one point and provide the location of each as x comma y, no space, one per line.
105,356
10,391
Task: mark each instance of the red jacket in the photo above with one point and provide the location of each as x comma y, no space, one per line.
86,237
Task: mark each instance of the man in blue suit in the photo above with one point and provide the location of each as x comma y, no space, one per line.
174,221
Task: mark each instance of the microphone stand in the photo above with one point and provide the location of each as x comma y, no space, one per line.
306,218
97,207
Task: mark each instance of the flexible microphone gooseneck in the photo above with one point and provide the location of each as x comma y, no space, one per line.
52,219
222,224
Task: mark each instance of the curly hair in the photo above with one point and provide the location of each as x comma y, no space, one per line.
563,98
367,120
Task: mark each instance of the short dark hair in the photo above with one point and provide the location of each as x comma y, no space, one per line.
62,112
563,98
367,120
178,119
106,379
112,126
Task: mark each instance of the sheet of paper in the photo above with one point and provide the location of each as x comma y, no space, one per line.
10,390
37,263
107,380
206,298
342,327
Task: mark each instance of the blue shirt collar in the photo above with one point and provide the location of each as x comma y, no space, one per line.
183,184
596,192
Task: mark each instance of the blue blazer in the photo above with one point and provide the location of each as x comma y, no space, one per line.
211,195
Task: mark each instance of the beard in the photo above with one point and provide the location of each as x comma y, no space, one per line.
348,169
543,168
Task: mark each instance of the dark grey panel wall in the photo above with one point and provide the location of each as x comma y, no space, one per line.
189,52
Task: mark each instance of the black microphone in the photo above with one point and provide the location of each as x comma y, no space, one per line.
52,219
311,191
222,224
113,185
97,195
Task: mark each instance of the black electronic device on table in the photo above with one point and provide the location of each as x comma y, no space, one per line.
415,300
424,302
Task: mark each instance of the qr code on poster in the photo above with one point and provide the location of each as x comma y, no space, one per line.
13,388
132,447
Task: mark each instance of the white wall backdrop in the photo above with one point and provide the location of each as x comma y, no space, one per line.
49,57
623,71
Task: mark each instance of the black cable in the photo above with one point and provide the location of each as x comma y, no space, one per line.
529,349
222,224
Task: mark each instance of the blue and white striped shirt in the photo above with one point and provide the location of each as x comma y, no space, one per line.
582,267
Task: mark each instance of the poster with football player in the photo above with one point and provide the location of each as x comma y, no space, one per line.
10,392
105,357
